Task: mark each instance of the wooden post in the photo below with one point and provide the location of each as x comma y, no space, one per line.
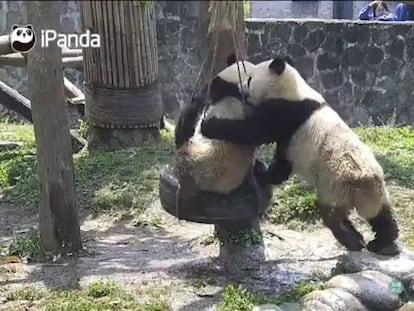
123,99
58,213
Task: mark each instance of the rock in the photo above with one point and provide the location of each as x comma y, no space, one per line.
409,306
400,267
332,299
372,288
267,307
9,145
305,66
353,56
296,50
396,48
331,79
314,40
327,61
373,55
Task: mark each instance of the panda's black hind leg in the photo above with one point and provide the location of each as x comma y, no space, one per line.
386,233
278,172
342,229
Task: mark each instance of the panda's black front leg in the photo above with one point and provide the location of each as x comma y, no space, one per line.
278,172
280,168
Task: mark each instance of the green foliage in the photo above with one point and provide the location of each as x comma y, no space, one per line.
99,296
294,201
394,148
239,298
107,181
26,246
244,238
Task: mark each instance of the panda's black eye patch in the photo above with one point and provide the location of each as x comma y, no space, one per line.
29,32
19,32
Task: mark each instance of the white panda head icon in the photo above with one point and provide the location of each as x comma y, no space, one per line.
22,38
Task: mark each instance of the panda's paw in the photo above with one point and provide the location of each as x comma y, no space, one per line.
381,247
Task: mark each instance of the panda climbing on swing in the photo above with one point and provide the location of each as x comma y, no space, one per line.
314,143
217,167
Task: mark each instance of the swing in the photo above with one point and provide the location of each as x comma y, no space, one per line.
250,199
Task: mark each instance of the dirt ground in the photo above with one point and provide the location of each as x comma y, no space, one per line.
176,254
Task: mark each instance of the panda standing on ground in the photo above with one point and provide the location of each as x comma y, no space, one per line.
214,165
316,144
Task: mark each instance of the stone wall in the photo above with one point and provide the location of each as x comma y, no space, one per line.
365,69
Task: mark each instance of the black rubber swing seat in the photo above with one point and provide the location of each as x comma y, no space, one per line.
248,201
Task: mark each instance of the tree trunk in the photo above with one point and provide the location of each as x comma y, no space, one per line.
58,214
123,99
232,253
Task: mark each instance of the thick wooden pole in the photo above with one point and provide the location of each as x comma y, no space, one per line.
58,212
123,99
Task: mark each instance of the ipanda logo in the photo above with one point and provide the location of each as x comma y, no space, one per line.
84,40
23,39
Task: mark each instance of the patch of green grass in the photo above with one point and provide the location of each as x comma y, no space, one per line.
243,238
241,299
18,132
293,201
98,296
26,246
394,148
106,180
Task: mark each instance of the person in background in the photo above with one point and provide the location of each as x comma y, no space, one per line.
404,12
376,10
379,10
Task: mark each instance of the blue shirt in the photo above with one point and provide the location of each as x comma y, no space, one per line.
402,13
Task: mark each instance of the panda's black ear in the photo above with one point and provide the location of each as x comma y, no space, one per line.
277,66
231,59
15,27
29,26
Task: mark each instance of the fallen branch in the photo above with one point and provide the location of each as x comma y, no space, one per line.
72,90
13,100
5,46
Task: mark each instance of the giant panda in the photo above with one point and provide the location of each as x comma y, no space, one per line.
208,164
314,143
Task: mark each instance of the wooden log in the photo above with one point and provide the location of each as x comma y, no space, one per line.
18,60
71,90
58,213
14,101
5,47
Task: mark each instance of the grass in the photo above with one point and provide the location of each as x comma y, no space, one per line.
26,246
241,299
99,296
106,181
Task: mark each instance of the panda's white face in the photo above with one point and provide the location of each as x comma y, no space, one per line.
276,78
